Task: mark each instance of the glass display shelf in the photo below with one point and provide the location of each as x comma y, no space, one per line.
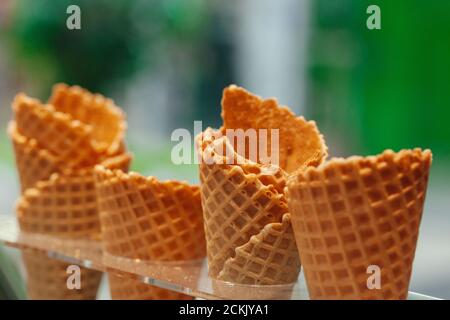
189,277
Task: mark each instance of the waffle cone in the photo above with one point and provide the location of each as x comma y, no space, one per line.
57,146
355,213
247,224
47,279
106,119
33,164
66,204
67,139
243,207
270,257
143,218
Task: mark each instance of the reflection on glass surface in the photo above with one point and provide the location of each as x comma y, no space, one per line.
189,277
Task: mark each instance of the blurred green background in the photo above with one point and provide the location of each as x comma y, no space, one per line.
166,63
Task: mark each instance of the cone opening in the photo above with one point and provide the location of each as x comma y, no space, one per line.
299,141
107,120
404,156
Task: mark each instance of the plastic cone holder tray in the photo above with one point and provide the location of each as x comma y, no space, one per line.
189,277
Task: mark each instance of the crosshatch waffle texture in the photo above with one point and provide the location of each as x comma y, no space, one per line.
61,206
143,218
47,278
350,214
237,206
247,224
68,139
56,148
270,256
33,164
66,204
107,121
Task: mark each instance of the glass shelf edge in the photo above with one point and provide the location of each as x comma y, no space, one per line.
198,285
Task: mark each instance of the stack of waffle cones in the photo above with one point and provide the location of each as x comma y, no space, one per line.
248,229
353,223
143,218
356,223
57,146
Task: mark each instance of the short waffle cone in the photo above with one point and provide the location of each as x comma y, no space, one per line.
243,210
66,204
33,164
143,218
47,279
67,139
351,214
107,120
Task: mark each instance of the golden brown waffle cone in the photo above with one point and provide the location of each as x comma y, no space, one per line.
56,149
79,131
66,204
300,142
142,218
270,256
107,120
247,225
243,210
354,213
47,278
33,164
69,140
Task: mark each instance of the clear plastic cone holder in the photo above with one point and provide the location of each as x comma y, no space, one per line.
188,277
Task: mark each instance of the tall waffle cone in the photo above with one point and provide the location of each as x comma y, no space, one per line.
247,242
107,120
47,279
33,164
143,218
355,213
247,224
